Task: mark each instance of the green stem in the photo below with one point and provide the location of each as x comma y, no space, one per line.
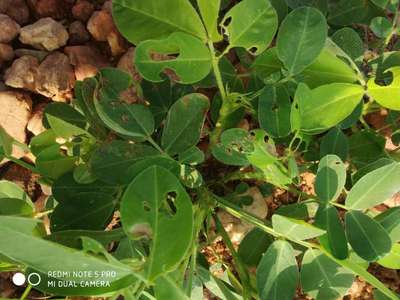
244,278
26,292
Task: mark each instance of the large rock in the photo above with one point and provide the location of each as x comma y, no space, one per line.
102,28
23,72
57,9
6,53
78,33
35,124
56,77
45,34
53,78
16,9
9,29
82,10
14,115
86,61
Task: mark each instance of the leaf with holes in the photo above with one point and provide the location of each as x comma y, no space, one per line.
133,120
386,95
153,206
191,54
250,24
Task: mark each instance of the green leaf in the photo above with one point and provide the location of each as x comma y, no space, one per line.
331,178
66,130
366,147
349,41
6,143
366,236
335,142
353,118
392,260
253,246
301,38
209,10
166,288
250,24
140,20
162,95
389,219
235,142
64,112
323,279
386,95
15,207
192,54
318,109
277,273
192,156
346,12
28,250
134,120
9,189
381,27
112,162
184,123
274,111
95,211
375,187
295,229
53,163
334,240
153,206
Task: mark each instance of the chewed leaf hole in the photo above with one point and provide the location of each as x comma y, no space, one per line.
146,206
227,21
170,203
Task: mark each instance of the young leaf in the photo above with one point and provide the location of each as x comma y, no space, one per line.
154,206
335,142
323,279
277,273
209,10
331,178
366,236
192,55
301,38
334,240
295,229
251,24
9,189
184,123
274,111
134,120
375,187
387,96
392,260
140,20
319,110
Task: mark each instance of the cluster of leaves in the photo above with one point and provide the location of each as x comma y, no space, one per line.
165,163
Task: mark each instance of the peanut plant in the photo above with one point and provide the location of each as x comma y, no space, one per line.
233,95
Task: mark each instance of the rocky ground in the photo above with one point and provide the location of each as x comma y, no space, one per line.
45,46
